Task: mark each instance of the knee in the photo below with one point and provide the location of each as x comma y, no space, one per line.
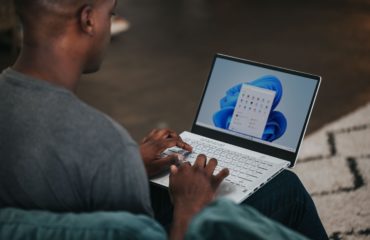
294,185
291,184
283,192
290,178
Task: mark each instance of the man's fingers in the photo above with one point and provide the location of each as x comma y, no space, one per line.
149,136
183,145
161,145
170,135
171,142
167,138
166,161
167,143
174,134
185,165
220,177
165,133
157,134
187,147
173,170
161,134
200,161
211,165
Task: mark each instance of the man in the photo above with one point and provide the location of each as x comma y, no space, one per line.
58,153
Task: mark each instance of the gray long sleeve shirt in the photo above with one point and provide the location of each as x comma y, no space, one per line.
60,154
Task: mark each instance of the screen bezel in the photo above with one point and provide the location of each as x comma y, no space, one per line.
249,144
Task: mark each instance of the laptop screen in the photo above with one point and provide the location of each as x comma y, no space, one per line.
257,103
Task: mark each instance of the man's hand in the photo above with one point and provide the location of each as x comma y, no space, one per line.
154,144
192,188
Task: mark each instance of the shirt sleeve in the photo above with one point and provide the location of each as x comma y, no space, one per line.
121,181
101,169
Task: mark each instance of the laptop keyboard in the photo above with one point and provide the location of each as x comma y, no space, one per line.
243,169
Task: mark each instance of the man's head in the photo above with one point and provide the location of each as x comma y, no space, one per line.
79,28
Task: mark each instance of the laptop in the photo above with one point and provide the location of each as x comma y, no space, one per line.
252,118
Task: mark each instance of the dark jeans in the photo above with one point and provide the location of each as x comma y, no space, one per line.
283,199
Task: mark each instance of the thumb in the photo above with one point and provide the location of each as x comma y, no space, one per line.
173,170
166,162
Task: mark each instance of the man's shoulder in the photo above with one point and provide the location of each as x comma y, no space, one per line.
50,112
95,122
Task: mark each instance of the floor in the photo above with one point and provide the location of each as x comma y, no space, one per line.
154,74
336,174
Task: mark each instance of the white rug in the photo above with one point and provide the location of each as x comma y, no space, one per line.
334,165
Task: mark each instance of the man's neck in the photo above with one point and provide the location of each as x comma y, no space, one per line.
50,65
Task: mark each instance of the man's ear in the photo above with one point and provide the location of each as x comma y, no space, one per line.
86,19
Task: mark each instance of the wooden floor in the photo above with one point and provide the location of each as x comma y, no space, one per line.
153,74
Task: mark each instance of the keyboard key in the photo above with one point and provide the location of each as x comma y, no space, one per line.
243,168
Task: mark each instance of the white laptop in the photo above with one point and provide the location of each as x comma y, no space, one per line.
251,118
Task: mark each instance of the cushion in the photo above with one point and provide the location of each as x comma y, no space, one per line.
224,219
16,224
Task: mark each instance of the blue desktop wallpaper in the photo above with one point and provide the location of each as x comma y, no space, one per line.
276,122
290,107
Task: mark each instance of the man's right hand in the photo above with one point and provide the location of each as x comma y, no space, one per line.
154,144
191,189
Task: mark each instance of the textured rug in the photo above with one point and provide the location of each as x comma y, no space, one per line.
334,165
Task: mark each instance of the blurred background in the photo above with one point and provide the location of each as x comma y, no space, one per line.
153,74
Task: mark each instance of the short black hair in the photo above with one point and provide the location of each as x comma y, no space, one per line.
29,8
47,15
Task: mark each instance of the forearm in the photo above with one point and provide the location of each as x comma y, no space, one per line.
192,188
181,221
